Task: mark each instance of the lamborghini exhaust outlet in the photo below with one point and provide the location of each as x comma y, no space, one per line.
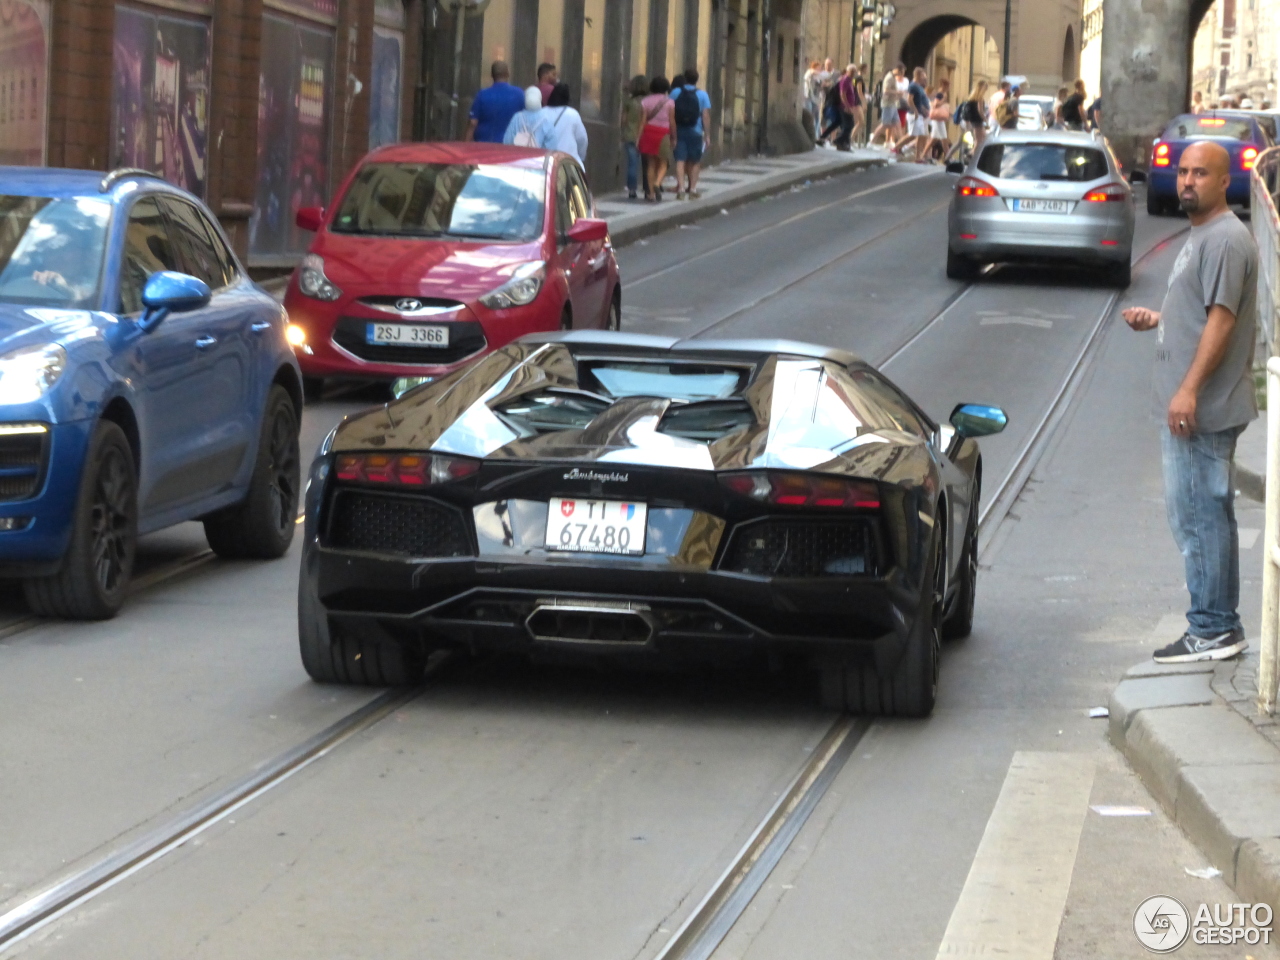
588,621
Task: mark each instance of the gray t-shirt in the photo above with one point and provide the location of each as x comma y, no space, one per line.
1218,265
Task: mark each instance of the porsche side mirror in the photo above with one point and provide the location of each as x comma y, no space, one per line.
309,218
588,230
978,420
169,292
955,166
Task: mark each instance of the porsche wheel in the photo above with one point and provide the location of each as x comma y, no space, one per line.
99,560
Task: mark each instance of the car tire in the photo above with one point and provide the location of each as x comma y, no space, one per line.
566,318
614,319
1120,275
912,688
960,267
260,527
338,654
312,388
95,571
960,624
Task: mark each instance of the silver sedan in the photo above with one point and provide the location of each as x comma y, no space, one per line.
1041,196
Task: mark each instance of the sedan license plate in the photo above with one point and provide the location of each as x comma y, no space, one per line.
1042,206
596,526
407,334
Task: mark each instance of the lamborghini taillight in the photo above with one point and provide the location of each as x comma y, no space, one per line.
401,469
786,489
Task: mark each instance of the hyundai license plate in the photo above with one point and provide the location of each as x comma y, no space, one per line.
596,526
407,334
1042,206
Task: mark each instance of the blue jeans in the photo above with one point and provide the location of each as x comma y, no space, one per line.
1200,499
633,166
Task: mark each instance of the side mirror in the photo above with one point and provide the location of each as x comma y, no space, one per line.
588,230
955,166
169,292
1137,176
309,218
978,420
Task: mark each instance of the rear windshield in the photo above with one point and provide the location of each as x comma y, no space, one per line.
51,250
1198,127
465,201
1042,161
676,381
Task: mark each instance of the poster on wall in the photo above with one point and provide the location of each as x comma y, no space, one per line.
384,98
24,73
294,92
160,96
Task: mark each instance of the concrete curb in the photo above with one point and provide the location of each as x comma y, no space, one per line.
1215,775
663,217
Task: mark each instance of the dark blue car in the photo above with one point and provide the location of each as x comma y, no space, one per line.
1241,134
144,380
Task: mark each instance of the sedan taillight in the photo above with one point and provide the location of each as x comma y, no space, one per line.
401,469
1248,157
1111,193
973,187
1161,156
803,490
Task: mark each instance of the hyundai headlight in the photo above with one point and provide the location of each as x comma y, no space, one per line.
525,282
27,374
312,281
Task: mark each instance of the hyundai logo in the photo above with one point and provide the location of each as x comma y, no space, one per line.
408,305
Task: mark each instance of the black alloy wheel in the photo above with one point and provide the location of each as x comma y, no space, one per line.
95,572
261,525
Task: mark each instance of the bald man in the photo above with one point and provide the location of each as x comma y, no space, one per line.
1204,397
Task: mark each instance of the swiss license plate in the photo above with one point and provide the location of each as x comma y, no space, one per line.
407,334
596,526
1042,206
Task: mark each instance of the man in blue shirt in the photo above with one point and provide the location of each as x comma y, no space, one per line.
693,125
493,107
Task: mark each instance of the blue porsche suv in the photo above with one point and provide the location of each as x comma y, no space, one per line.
144,381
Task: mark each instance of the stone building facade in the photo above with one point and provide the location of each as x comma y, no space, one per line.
1236,50
262,106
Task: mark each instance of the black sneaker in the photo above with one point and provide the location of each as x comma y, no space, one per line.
1190,649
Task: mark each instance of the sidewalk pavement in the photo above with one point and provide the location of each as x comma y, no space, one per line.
1251,459
1193,734
726,185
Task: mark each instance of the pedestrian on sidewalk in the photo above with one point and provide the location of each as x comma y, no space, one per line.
813,97
494,106
632,123
1007,112
917,114
849,104
656,135
692,114
860,113
565,130
1203,392
1056,112
1197,102
889,98
939,113
528,128
548,77
1073,108
993,105
973,116
831,115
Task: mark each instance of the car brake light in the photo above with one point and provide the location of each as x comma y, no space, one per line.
1162,154
401,469
973,187
804,490
1212,122
1111,193
1248,156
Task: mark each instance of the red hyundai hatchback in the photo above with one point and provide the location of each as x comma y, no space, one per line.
436,253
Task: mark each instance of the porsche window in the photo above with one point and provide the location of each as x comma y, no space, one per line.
1195,126
1042,161
51,250
460,201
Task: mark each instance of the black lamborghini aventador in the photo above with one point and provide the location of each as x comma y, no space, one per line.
606,494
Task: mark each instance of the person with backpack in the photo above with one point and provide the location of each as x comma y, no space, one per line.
973,114
656,136
565,130
918,114
632,123
1007,111
692,114
528,127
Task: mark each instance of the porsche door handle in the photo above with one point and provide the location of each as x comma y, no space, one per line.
262,326
204,343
